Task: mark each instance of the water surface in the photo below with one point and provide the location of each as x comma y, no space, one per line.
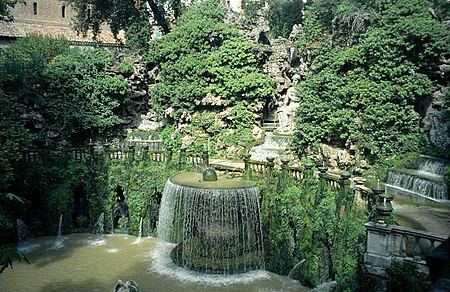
86,262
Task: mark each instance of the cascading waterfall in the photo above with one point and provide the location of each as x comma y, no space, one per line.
273,146
60,226
427,180
216,225
99,227
59,242
22,231
140,228
431,165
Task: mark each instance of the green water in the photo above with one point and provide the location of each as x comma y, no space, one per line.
86,262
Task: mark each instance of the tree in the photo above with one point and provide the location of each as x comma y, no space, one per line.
124,15
5,9
203,57
283,15
365,94
21,67
81,99
13,137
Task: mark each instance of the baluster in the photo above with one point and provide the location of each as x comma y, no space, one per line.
403,250
417,252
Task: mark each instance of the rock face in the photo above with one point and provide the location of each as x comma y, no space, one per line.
137,113
436,113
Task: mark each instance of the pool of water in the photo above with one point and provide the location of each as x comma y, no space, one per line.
87,262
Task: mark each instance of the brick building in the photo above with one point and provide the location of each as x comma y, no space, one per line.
46,17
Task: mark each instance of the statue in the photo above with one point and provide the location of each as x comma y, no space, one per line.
128,286
286,111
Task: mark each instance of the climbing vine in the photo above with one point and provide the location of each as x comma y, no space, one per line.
314,233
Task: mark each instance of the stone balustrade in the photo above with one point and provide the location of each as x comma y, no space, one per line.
388,243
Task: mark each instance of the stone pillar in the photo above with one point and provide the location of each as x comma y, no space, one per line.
169,154
384,206
378,258
131,152
182,160
106,148
145,152
269,176
205,158
282,180
247,165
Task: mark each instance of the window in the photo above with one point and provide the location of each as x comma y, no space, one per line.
34,8
63,11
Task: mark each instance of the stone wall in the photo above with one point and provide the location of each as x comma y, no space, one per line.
47,11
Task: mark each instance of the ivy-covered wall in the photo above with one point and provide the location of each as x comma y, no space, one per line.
59,184
314,233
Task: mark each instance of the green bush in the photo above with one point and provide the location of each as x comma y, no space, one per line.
405,277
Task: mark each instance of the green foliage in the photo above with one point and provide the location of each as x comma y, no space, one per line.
313,223
81,99
129,16
23,63
126,66
405,277
171,137
252,8
5,9
141,181
365,94
8,255
13,137
283,15
202,58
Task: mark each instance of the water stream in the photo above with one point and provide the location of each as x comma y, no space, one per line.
84,265
425,181
273,146
215,225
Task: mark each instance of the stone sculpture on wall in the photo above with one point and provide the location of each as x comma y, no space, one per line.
286,111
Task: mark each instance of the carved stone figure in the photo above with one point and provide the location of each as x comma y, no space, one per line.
128,286
286,111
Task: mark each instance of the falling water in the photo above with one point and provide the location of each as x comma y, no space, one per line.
432,165
112,221
431,186
140,229
22,231
60,225
59,242
217,230
99,227
273,146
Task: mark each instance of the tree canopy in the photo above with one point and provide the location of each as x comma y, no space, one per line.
81,100
204,56
363,87
5,9
132,16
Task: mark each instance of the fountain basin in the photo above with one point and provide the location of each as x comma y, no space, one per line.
195,180
215,224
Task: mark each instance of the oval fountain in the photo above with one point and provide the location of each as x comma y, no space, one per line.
214,223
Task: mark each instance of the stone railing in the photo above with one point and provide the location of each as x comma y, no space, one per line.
388,243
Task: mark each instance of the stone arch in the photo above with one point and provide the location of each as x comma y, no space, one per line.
120,208
80,211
